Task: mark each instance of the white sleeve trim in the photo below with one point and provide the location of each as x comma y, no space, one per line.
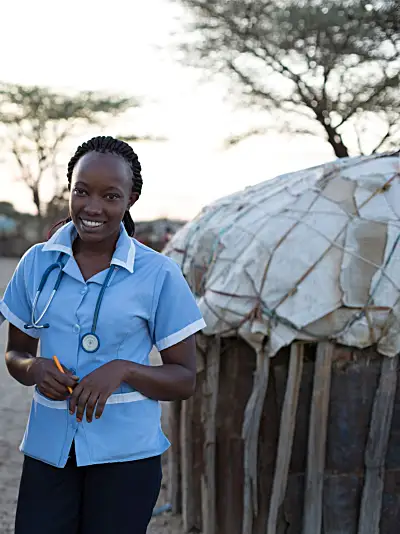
173,339
6,313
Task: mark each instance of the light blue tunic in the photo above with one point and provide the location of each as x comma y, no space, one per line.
146,303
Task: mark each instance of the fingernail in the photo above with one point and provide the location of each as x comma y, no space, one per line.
71,412
79,420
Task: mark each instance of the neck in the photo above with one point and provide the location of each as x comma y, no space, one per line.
98,249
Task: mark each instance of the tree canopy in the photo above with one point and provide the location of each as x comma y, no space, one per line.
35,122
321,67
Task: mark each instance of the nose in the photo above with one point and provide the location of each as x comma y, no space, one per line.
93,206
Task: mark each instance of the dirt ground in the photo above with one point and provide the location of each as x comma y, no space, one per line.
14,406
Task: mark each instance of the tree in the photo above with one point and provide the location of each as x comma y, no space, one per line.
321,67
37,121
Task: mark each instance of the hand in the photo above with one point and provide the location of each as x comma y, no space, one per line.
50,381
93,390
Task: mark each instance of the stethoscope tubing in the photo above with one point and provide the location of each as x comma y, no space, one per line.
59,265
35,322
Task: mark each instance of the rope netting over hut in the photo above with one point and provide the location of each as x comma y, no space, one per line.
310,255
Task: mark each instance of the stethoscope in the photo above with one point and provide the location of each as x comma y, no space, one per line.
90,342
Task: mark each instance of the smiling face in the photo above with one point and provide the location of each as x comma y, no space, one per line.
101,193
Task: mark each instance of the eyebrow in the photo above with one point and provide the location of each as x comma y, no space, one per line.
108,188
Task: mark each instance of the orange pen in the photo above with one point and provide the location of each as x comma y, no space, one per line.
59,367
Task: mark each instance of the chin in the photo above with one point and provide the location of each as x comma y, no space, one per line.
91,237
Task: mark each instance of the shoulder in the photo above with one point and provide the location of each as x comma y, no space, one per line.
32,254
35,260
28,266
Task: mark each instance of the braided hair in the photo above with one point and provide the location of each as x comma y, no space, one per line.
109,145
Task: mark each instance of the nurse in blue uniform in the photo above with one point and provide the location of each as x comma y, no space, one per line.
98,300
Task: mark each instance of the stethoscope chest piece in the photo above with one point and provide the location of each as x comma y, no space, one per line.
90,342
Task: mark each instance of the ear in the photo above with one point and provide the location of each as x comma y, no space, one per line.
134,197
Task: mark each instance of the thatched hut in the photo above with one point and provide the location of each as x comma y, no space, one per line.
295,424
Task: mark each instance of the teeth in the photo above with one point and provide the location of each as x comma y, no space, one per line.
92,224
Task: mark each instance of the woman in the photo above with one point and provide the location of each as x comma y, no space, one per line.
93,441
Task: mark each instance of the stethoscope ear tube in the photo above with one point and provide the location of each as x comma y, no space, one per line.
35,322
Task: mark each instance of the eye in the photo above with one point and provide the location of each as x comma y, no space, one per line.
112,196
79,192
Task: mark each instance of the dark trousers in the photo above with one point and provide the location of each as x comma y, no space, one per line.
115,498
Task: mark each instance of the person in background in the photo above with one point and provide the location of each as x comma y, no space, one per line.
98,301
167,236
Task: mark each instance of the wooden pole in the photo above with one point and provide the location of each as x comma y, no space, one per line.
251,427
286,434
375,454
312,520
174,457
209,420
188,507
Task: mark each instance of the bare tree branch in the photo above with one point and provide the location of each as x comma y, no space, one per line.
341,58
364,100
390,132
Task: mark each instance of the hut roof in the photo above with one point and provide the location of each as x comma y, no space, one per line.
310,255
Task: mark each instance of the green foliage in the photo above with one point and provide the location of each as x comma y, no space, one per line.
40,105
324,67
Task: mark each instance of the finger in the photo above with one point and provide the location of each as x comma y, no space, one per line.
70,373
48,393
57,397
90,406
101,402
53,394
80,409
65,380
52,384
73,401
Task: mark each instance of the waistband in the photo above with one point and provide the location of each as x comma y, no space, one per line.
117,398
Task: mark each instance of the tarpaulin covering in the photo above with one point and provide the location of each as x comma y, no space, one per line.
310,255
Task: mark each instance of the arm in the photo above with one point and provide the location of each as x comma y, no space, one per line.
21,355
29,370
174,380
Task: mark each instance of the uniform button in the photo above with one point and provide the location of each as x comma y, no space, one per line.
84,291
77,329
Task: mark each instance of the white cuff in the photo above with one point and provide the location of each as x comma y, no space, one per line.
173,339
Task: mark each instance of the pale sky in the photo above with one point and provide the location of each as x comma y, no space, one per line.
123,46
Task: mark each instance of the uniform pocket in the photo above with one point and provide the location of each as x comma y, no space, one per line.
46,430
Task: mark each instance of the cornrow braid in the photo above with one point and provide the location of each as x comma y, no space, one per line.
109,145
